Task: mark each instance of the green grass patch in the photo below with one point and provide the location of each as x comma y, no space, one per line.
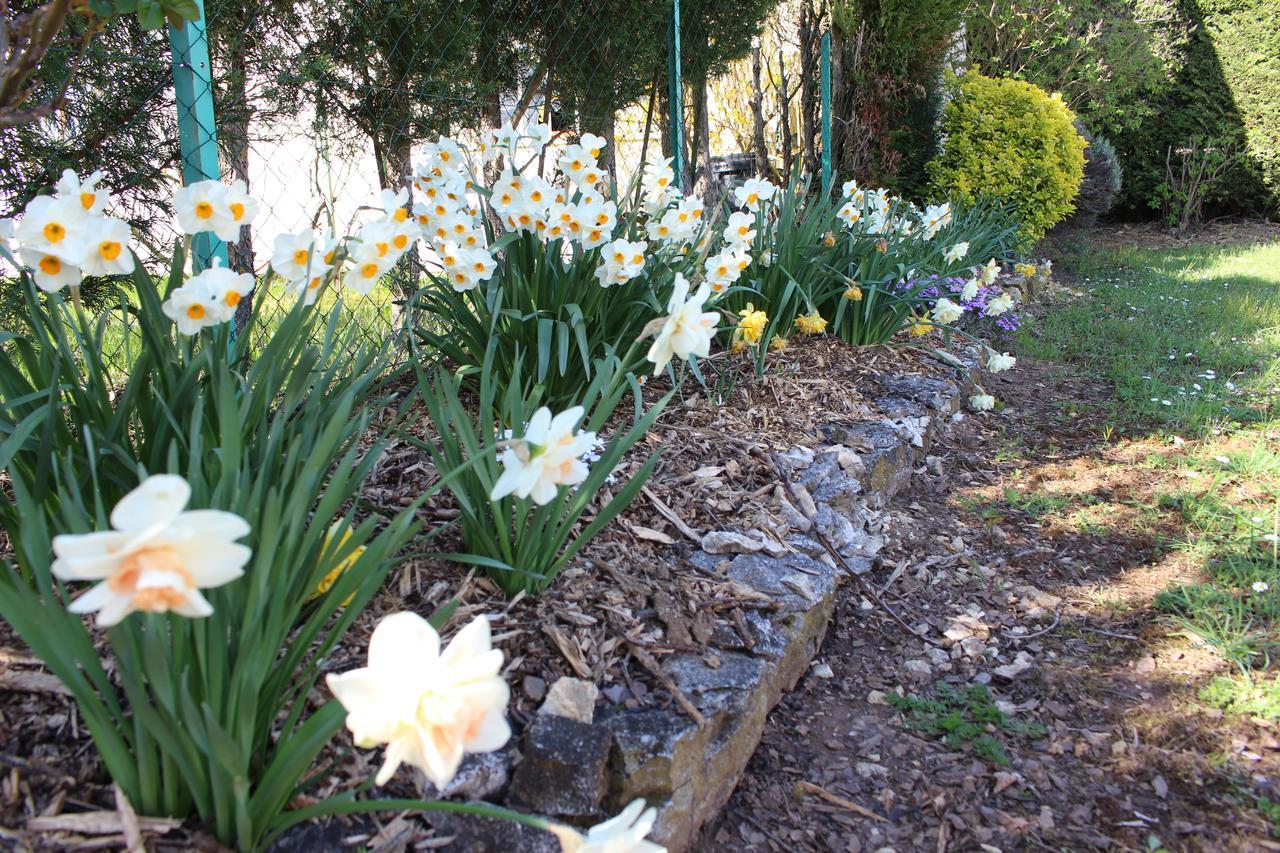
1189,339
963,717
1244,695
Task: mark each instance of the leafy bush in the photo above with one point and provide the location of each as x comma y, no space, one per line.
1103,178
1150,75
1014,143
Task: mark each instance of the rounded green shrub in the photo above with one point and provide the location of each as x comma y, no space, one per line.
1012,143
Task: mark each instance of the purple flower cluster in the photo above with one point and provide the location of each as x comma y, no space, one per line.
928,290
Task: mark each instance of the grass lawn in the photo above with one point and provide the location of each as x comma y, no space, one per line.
1190,340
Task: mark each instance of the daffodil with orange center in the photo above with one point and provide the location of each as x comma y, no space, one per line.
157,557
430,708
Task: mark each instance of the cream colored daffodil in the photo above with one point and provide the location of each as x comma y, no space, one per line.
622,834
546,458
945,311
430,708
158,556
686,331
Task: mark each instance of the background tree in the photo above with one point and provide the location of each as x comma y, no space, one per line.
889,56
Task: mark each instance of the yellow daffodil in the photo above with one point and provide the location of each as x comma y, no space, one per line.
751,326
327,582
811,324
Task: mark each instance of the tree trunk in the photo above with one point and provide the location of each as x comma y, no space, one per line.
784,116
839,116
700,147
808,89
757,113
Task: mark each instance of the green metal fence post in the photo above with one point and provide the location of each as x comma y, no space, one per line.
676,95
826,111
197,132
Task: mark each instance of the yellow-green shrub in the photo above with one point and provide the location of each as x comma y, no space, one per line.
1014,143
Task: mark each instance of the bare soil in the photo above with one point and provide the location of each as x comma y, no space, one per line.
1123,756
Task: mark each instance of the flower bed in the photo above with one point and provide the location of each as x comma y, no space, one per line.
239,526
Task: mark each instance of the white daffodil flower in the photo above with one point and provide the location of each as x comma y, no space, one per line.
429,707
594,145
989,272
725,268
849,213
999,362
368,264
970,290
546,458
51,273
93,201
621,261
157,558
945,311
297,257
227,287
754,191
201,207
54,226
238,209
982,402
956,252
198,304
1000,305
108,252
538,134
741,229
622,834
935,218
686,331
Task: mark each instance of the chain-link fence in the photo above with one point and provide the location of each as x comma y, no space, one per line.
318,107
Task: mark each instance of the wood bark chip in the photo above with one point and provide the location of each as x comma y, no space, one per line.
670,515
837,800
568,650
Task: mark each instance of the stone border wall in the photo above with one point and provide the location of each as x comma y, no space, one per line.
582,771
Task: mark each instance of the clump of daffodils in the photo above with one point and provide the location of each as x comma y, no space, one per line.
547,457
67,235
428,707
157,556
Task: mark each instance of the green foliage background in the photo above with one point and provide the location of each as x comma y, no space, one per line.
1150,75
